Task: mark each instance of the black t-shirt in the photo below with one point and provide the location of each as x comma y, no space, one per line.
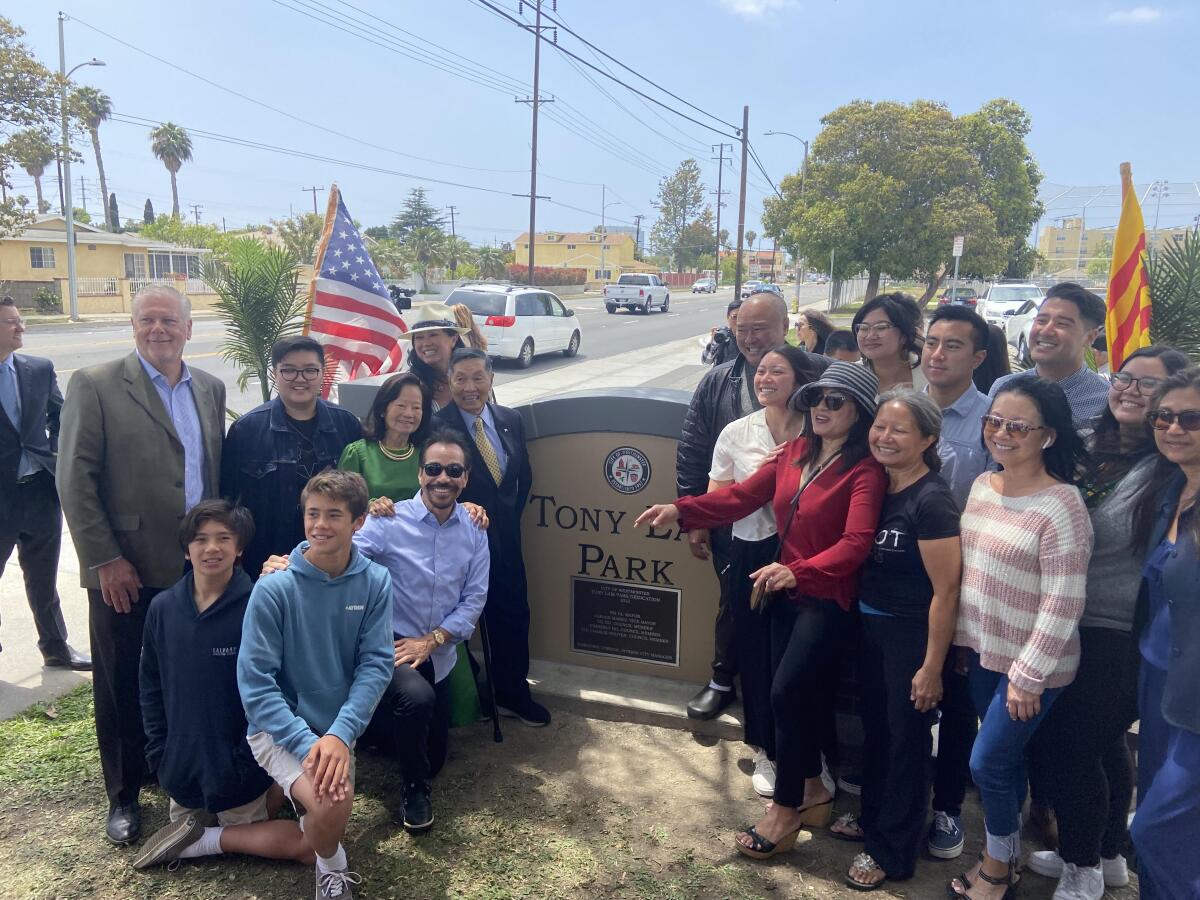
306,451
894,579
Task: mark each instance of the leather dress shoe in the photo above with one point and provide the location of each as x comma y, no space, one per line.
124,824
418,807
709,702
68,658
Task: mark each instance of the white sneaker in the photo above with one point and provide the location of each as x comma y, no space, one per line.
827,777
1050,864
1080,883
763,779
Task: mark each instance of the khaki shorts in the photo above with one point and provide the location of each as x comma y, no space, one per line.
254,811
282,765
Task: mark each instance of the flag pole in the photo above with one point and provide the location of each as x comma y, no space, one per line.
319,258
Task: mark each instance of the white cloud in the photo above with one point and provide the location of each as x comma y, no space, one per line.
756,9
1138,15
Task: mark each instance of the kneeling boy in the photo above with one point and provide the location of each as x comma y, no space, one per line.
191,709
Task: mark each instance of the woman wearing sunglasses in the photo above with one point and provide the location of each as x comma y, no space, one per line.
1026,540
908,597
1168,628
889,328
1079,759
826,491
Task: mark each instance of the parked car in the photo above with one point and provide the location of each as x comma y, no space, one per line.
773,288
749,288
519,321
704,286
1017,326
1003,299
959,296
637,291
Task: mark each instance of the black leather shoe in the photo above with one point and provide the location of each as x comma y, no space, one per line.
709,702
418,807
124,824
528,711
69,658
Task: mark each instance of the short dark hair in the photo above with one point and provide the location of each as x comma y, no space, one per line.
1091,308
902,311
375,423
463,354
7,301
293,343
734,305
951,313
1066,457
841,339
348,487
236,518
444,435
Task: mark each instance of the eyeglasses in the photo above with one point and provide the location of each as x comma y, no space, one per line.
1162,419
813,396
877,327
1122,381
13,323
433,470
1011,426
291,373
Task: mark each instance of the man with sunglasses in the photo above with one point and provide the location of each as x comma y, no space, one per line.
272,451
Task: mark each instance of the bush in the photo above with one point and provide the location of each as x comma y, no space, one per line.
47,301
545,276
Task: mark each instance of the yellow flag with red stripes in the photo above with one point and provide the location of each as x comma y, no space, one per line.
1127,324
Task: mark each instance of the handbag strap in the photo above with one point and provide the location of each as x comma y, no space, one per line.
796,500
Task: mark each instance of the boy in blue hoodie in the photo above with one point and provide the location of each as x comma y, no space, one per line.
192,711
315,657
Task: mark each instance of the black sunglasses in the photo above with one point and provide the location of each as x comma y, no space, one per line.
454,470
1162,419
813,396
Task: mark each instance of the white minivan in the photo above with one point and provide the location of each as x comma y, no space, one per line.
519,321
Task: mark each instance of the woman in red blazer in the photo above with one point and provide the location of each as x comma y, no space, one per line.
827,492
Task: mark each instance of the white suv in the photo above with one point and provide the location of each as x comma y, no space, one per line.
520,321
1002,300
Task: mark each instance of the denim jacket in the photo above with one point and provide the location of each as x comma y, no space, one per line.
258,469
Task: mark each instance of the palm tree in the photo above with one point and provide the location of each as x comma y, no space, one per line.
91,107
1173,273
173,146
492,261
260,301
33,151
428,249
457,250
751,237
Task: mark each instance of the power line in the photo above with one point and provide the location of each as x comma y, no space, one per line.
757,162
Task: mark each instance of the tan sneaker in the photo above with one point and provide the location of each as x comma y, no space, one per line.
168,842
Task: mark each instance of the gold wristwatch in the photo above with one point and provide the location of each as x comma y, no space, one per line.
439,636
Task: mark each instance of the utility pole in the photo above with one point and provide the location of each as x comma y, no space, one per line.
637,240
195,208
313,191
720,159
82,193
223,224
454,236
535,101
603,197
741,233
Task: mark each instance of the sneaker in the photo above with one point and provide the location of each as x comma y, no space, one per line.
1050,864
945,836
851,783
1080,883
165,845
418,807
336,884
763,779
530,712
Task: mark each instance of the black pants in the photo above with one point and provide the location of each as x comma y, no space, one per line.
1079,754
956,738
752,641
507,615
116,655
34,526
808,638
897,741
412,721
724,664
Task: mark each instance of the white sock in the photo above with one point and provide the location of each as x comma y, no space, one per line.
208,845
335,863
720,687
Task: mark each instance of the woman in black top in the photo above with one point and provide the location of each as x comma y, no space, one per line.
908,597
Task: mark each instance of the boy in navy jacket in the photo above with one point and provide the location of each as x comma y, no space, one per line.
192,711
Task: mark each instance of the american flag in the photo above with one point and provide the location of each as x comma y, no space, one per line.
350,310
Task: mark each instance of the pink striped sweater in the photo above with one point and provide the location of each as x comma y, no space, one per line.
1025,565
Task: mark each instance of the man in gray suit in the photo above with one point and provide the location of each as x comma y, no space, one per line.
140,445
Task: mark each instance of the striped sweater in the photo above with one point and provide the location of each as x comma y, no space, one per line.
1025,565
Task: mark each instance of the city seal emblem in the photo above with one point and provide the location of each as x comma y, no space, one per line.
627,470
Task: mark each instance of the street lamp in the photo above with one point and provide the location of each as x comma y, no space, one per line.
603,230
69,211
802,263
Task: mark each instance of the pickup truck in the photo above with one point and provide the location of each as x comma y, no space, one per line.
640,292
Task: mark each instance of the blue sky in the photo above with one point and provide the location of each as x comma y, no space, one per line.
1104,82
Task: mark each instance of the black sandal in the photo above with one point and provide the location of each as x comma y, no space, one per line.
761,848
1011,879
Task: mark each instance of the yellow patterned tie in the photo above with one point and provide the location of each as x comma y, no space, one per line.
487,451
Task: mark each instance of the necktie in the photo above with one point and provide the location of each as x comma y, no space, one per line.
487,451
8,396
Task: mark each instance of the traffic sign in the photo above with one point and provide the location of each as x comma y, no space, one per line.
958,245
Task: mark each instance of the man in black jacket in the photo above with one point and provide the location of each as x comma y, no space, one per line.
724,394
500,481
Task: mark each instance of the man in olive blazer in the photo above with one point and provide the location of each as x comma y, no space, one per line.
140,444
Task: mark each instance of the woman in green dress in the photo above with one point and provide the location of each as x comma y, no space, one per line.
387,458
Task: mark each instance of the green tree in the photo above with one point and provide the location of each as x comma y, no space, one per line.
456,250
1099,266
426,248
378,232
113,212
186,234
91,107
82,215
172,146
301,234
148,212
751,237
491,261
697,241
417,212
1173,274
33,150
392,259
679,202
260,301
28,100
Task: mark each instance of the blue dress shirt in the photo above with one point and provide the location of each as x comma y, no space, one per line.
181,409
26,465
1086,391
964,458
439,573
489,428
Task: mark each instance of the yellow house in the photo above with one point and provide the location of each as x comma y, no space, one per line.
110,268
582,250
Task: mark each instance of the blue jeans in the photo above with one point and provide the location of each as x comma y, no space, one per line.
998,759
